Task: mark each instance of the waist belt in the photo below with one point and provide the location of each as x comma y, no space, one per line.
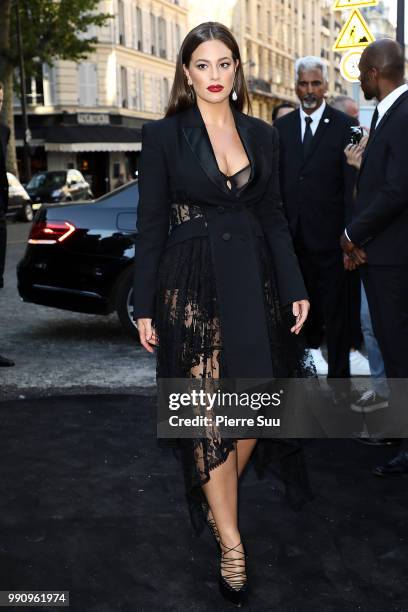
196,227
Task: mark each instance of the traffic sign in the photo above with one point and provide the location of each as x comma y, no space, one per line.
349,4
355,33
349,66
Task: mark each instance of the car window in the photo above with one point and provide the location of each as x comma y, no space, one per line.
126,196
48,180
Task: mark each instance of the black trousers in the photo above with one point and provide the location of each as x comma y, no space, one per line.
387,294
329,291
3,244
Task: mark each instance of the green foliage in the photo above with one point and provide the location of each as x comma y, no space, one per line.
55,29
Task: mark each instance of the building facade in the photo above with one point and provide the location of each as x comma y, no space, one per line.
272,34
88,115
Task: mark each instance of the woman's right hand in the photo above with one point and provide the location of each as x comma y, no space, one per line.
147,334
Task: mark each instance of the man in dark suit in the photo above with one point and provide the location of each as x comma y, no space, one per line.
4,137
317,186
377,237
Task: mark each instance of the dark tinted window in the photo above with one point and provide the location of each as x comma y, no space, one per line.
123,197
48,179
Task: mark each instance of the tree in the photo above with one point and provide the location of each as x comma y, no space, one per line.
52,29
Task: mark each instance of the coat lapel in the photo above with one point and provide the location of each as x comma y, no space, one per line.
295,140
380,126
197,137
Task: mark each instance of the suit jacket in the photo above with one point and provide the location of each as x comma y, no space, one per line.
317,191
380,220
178,164
4,138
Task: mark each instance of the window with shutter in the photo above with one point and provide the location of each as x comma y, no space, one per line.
162,38
49,85
121,19
178,38
139,29
153,34
124,87
87,84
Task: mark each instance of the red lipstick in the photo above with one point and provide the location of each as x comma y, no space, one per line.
215,88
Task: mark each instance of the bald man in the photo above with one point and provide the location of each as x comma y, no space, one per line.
377,237
346,105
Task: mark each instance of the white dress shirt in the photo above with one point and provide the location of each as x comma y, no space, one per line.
389,100
316,116
385,106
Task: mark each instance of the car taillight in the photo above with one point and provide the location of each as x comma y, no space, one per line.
50,232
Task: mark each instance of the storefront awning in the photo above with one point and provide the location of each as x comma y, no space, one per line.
77,139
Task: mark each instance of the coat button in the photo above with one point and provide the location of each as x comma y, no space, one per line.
220,209
226,236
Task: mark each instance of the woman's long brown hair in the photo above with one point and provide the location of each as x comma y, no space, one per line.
180,95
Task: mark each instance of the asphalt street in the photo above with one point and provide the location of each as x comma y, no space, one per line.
90,504
59,351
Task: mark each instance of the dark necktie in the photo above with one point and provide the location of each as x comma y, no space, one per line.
308,136
373,123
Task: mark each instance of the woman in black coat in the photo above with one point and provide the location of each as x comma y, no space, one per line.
221,294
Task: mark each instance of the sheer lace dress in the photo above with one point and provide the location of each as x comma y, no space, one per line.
190,345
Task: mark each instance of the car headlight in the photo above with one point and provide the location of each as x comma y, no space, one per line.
56,193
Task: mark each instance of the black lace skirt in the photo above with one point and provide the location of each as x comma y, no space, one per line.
190,345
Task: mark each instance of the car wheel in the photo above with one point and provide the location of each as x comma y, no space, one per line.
27,213
124,302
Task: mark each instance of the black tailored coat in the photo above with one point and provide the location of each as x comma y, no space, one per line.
380,216
178,164
4,138
317,191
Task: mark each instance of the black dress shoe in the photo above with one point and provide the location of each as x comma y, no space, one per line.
6,363
233,584
397,465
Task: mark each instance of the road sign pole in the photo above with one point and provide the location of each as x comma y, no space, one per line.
401,22
356,92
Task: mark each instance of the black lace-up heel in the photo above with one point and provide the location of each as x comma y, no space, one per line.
233,584
210,522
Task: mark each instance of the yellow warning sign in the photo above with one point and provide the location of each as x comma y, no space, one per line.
353,4
355,33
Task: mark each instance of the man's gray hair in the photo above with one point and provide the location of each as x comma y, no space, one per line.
311,62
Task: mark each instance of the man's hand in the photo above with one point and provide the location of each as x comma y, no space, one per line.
300,310
358,256
349,264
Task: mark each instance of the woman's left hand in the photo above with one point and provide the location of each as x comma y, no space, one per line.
300,310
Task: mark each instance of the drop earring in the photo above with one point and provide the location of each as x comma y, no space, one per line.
190,83
234,93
